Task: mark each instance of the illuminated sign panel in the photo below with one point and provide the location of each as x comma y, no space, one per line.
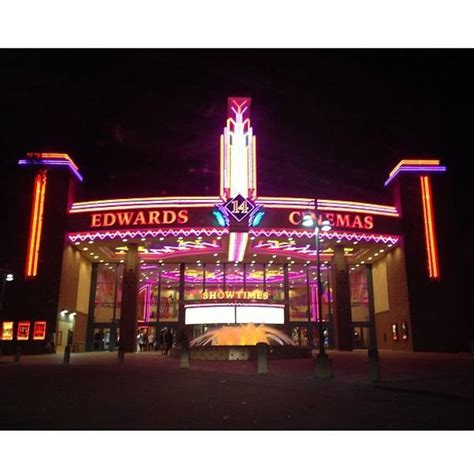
210,315
261,314
7,331
234,314
39,330
239,207
23,331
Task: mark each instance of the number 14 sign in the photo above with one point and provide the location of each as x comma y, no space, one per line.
239,207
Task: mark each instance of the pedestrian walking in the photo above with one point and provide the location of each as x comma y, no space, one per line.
169,341
163,340
151,341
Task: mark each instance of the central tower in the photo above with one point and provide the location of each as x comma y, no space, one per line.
238,173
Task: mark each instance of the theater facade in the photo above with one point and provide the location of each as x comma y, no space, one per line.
102,271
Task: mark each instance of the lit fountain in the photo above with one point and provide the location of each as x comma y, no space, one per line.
242,335
238,342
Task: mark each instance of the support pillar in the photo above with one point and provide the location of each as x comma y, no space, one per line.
342,301
128,316
181,308
373,353
286,293
90,316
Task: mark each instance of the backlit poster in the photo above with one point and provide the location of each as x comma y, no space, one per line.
7,331
23,331
39,330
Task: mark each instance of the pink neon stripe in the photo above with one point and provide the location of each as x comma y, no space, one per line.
237,246
314,303
325,204
330,235
132,234
142,203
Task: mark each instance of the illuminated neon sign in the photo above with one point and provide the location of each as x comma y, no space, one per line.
36,224
416,166
430,233
139,218
51,159
350,221
238,169
146,233
237,245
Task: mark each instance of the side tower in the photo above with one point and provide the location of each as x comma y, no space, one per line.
420,193
50,180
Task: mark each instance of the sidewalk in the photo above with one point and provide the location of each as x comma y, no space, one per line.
436,373
417,391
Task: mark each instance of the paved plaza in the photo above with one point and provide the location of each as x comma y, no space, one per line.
150,391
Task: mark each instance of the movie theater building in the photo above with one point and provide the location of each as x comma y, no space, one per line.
106,269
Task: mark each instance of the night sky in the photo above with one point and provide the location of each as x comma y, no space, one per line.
329,123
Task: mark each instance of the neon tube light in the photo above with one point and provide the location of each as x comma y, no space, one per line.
238,151
52,159
314,303
151,233
143,203
328,205
146,301
36,224
221,165
393,239
425,166
278,203
430,234
351,206
286,202
413,162
237,245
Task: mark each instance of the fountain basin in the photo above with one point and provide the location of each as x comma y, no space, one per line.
243,352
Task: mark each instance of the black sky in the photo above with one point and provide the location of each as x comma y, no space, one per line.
330,123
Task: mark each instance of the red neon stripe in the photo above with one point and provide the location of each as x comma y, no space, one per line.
40,224
33,226
429,247
431,227
425,222
36,225
430,234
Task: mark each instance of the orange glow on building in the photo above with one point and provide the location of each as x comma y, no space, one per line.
430,233
36,224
